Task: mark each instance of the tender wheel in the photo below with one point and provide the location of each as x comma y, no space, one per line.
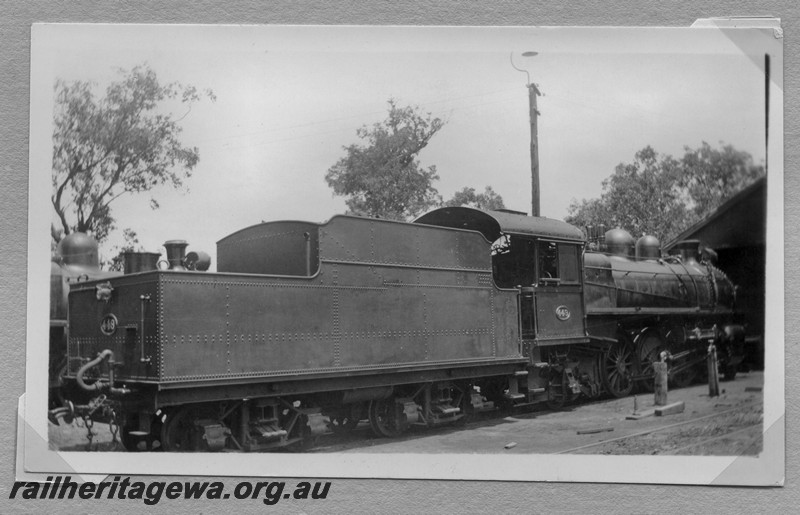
346,420
176,431
129,442
308,441
649,345
179,432
385,418
132,439
135,441
465,403
617,367
494,390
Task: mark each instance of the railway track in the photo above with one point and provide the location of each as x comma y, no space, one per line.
740,427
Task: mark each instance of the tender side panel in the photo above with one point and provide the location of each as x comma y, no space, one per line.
222,326
130,341
506,317
428,297
408,322
365,240
277,248
388,296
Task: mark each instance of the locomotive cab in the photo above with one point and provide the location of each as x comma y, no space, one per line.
540,258
547,274
557,294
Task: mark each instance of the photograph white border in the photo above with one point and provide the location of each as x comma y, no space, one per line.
626,469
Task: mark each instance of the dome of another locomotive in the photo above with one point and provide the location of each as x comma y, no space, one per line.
648,247
79,249
619,242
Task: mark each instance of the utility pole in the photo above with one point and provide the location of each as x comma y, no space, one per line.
533,92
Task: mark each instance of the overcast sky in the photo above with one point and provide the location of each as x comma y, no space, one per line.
289,99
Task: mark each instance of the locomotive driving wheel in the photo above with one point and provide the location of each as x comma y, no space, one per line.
684,378
617,367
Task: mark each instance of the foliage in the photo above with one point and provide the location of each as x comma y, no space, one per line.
662,196
641,197
121,143
382,177
467,197
713,176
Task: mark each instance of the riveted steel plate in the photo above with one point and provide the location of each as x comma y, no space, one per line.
218,325
130,341
367,240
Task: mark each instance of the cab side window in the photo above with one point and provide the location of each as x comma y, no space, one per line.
568,263
558,263
548,260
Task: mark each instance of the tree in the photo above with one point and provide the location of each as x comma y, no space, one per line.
382,177
121,143
467,197
711,176
642,197
662,196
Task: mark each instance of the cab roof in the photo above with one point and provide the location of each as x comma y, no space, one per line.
492,224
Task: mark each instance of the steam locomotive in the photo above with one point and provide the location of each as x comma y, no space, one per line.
307,328
76,259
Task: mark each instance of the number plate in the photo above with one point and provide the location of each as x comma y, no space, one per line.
109,324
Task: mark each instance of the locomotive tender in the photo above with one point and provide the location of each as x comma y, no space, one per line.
308,327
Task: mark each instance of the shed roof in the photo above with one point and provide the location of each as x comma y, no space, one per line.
739,222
